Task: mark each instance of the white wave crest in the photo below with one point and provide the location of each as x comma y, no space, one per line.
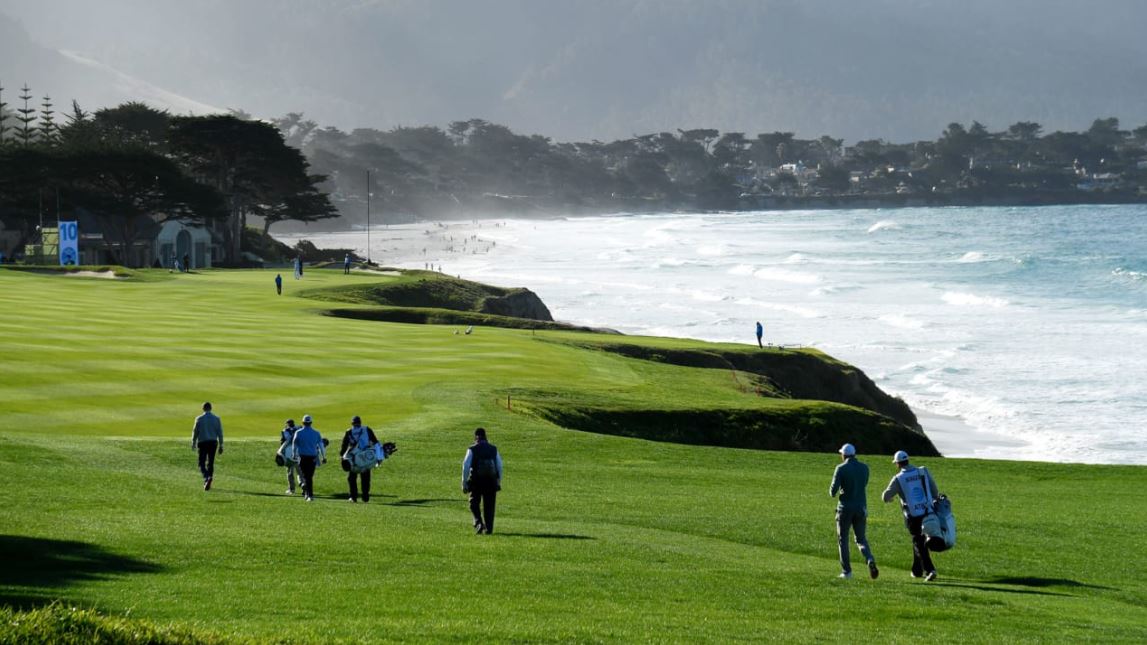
711,250
884,224
972,256
797,258
742,269
962,299
1137,276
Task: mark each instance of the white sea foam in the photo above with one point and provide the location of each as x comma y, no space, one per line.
797,258
883,225
902,321
711,250
742,269
962,299
972,256
784,275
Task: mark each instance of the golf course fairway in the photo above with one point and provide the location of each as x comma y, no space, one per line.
599,538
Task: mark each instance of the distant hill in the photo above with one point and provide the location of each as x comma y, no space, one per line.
894,69
65,75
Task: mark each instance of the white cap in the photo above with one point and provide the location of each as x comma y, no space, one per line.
899,457
848,450
307,418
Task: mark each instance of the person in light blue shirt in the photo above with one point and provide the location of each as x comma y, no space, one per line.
207,438
311,450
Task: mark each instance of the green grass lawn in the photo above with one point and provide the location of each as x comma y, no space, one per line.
599,538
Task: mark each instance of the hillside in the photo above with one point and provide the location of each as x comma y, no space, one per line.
600,537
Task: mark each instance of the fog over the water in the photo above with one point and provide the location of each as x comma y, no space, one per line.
597,69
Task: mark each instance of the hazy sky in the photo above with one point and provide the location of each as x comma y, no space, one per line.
583,69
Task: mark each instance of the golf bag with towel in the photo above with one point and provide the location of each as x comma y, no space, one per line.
359,459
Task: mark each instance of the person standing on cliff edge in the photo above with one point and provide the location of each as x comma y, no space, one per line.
760,334
850,480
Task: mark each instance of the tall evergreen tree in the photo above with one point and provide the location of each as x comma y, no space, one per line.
26,116
3,116
49,131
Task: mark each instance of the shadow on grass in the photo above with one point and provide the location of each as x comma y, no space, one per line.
549,536
984,587
1042,582
29,566
425,502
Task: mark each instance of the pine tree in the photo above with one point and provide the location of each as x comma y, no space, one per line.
3,116
49,131
26,115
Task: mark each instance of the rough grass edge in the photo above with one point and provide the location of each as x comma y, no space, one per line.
60,623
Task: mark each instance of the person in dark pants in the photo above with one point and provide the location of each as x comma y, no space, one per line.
358,437
312,452
279,283
346,269
760,334
850,479
916,490
207,438
482,479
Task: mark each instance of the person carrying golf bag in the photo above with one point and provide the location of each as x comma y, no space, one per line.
917,492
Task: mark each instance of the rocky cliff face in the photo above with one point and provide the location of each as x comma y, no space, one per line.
516,303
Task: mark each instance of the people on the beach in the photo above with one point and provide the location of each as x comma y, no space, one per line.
917,492
482,479
287,452
279,284
760,334
850,479
359,438
311,452
207,438
346,264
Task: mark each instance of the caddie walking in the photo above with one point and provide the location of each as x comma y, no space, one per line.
916,490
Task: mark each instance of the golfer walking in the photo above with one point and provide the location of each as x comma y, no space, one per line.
207,438
358,437
311,451
916,490
482,479
850,479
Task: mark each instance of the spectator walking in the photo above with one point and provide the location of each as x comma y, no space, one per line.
358,437
311,450
850,479
482,479
279,283
287,452
207,438
760,334
917,492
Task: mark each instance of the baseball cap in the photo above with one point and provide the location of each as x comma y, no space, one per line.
307,418
848,450
290,422
356,419
899,457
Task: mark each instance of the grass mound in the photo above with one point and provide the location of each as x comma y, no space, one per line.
57,623
428,290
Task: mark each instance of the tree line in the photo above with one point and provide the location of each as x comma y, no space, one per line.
475,166
131,162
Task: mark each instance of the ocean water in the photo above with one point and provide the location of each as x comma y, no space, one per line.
1028,324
